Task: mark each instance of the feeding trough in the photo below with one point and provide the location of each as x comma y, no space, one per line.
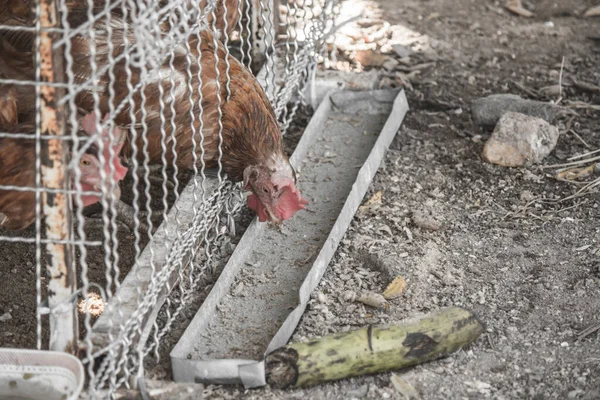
36,374
263,290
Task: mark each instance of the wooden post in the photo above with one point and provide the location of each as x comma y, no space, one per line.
259,44
56,205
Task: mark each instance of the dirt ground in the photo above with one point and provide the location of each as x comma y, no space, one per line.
531,273
527,268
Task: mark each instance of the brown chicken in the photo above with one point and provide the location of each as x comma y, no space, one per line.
246,127
17,168
17,102
17,156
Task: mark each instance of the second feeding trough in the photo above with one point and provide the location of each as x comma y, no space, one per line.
263,290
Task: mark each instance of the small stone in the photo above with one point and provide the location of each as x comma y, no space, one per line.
239,289
349,296
360,392
426,221
404,388
520,140
564,344
552,90
374,300
5,317
481,297
526,195
390,64
574,393
321,297
487,111
401,50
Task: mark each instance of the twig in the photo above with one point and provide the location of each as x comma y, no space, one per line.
416,67
589,153
583,191
572,163
587,87
583,105
580,138
560,89
588,331
527,90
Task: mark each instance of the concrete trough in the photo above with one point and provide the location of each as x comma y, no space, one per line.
263,290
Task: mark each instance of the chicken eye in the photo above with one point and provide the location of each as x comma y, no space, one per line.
84,162
265,190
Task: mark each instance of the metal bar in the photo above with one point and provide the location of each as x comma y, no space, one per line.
259,46
277,19
56,206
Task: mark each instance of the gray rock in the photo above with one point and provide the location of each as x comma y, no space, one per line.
5,317
486,111
520,140
358,393
401,50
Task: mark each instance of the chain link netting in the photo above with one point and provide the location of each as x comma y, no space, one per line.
121,56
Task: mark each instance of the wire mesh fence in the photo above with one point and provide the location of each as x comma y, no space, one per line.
116,153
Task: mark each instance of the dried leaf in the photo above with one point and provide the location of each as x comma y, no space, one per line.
573,174
370,58
593,12
404,388
426,221
395,288
375,200
583,248
374,300
517,8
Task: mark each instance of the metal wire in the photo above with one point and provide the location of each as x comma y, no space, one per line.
142,68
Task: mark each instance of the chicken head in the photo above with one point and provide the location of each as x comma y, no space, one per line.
90,165
275,196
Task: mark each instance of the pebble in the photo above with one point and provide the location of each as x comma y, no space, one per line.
360,392
401,50
5,317
349,296
426,221
526,195
322,297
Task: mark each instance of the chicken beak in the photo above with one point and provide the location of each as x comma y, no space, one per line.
272,216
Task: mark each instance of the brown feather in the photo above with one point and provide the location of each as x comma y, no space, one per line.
17,168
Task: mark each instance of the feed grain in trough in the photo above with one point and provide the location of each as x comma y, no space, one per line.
255,309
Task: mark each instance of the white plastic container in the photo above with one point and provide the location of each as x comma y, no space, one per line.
36,375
